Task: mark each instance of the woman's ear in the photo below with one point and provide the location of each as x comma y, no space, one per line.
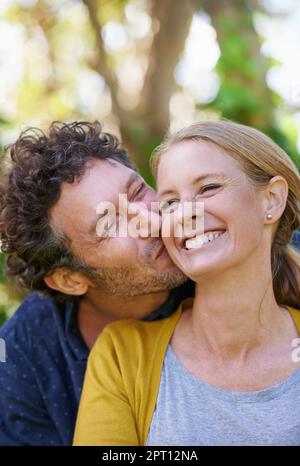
68,282
276,193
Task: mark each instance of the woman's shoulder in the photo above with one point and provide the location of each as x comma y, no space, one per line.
125,336
295,313
132,331
126,348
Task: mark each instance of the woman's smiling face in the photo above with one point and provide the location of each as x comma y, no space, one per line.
234,209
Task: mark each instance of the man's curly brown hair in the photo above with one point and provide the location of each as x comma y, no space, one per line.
32,171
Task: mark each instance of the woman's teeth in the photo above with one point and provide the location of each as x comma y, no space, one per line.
202,239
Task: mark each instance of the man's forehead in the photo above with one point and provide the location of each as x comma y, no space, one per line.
100,179
105,183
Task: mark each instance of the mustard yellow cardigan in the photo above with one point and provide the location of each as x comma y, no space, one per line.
122,381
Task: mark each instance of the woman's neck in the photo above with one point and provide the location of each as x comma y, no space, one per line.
235,311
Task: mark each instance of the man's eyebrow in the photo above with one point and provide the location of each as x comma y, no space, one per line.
133,177
219,175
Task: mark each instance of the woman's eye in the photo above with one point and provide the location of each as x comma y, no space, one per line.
168,206
209,187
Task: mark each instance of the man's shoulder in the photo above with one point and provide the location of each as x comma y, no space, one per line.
35,371
31,315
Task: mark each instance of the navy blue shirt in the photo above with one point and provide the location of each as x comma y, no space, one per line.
42,378
296,239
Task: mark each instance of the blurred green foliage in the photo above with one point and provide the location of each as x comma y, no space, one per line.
243,95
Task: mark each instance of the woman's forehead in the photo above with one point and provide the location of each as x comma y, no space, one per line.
197,160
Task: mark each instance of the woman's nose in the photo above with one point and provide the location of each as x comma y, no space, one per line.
185,221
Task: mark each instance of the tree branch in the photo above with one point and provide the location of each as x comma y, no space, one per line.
101,65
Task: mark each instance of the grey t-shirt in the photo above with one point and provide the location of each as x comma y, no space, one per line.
192,412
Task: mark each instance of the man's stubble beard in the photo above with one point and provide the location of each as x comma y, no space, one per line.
129,282
135,281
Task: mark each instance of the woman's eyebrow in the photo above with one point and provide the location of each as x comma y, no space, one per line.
218,175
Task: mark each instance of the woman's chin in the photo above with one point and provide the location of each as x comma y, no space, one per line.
199,271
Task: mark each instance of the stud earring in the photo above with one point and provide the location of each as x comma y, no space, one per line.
269,216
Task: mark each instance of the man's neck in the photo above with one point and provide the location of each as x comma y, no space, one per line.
97,309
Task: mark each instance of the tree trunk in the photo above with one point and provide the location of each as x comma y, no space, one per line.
174,19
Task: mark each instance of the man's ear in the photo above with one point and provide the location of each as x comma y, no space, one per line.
68,282
276,195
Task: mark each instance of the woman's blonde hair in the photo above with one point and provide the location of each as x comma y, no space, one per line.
260,159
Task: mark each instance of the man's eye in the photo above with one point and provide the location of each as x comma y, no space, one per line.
209,187
139,189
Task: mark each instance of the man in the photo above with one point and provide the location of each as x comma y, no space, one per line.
49,230
54,244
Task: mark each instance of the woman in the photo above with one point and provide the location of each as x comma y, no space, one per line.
226,370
